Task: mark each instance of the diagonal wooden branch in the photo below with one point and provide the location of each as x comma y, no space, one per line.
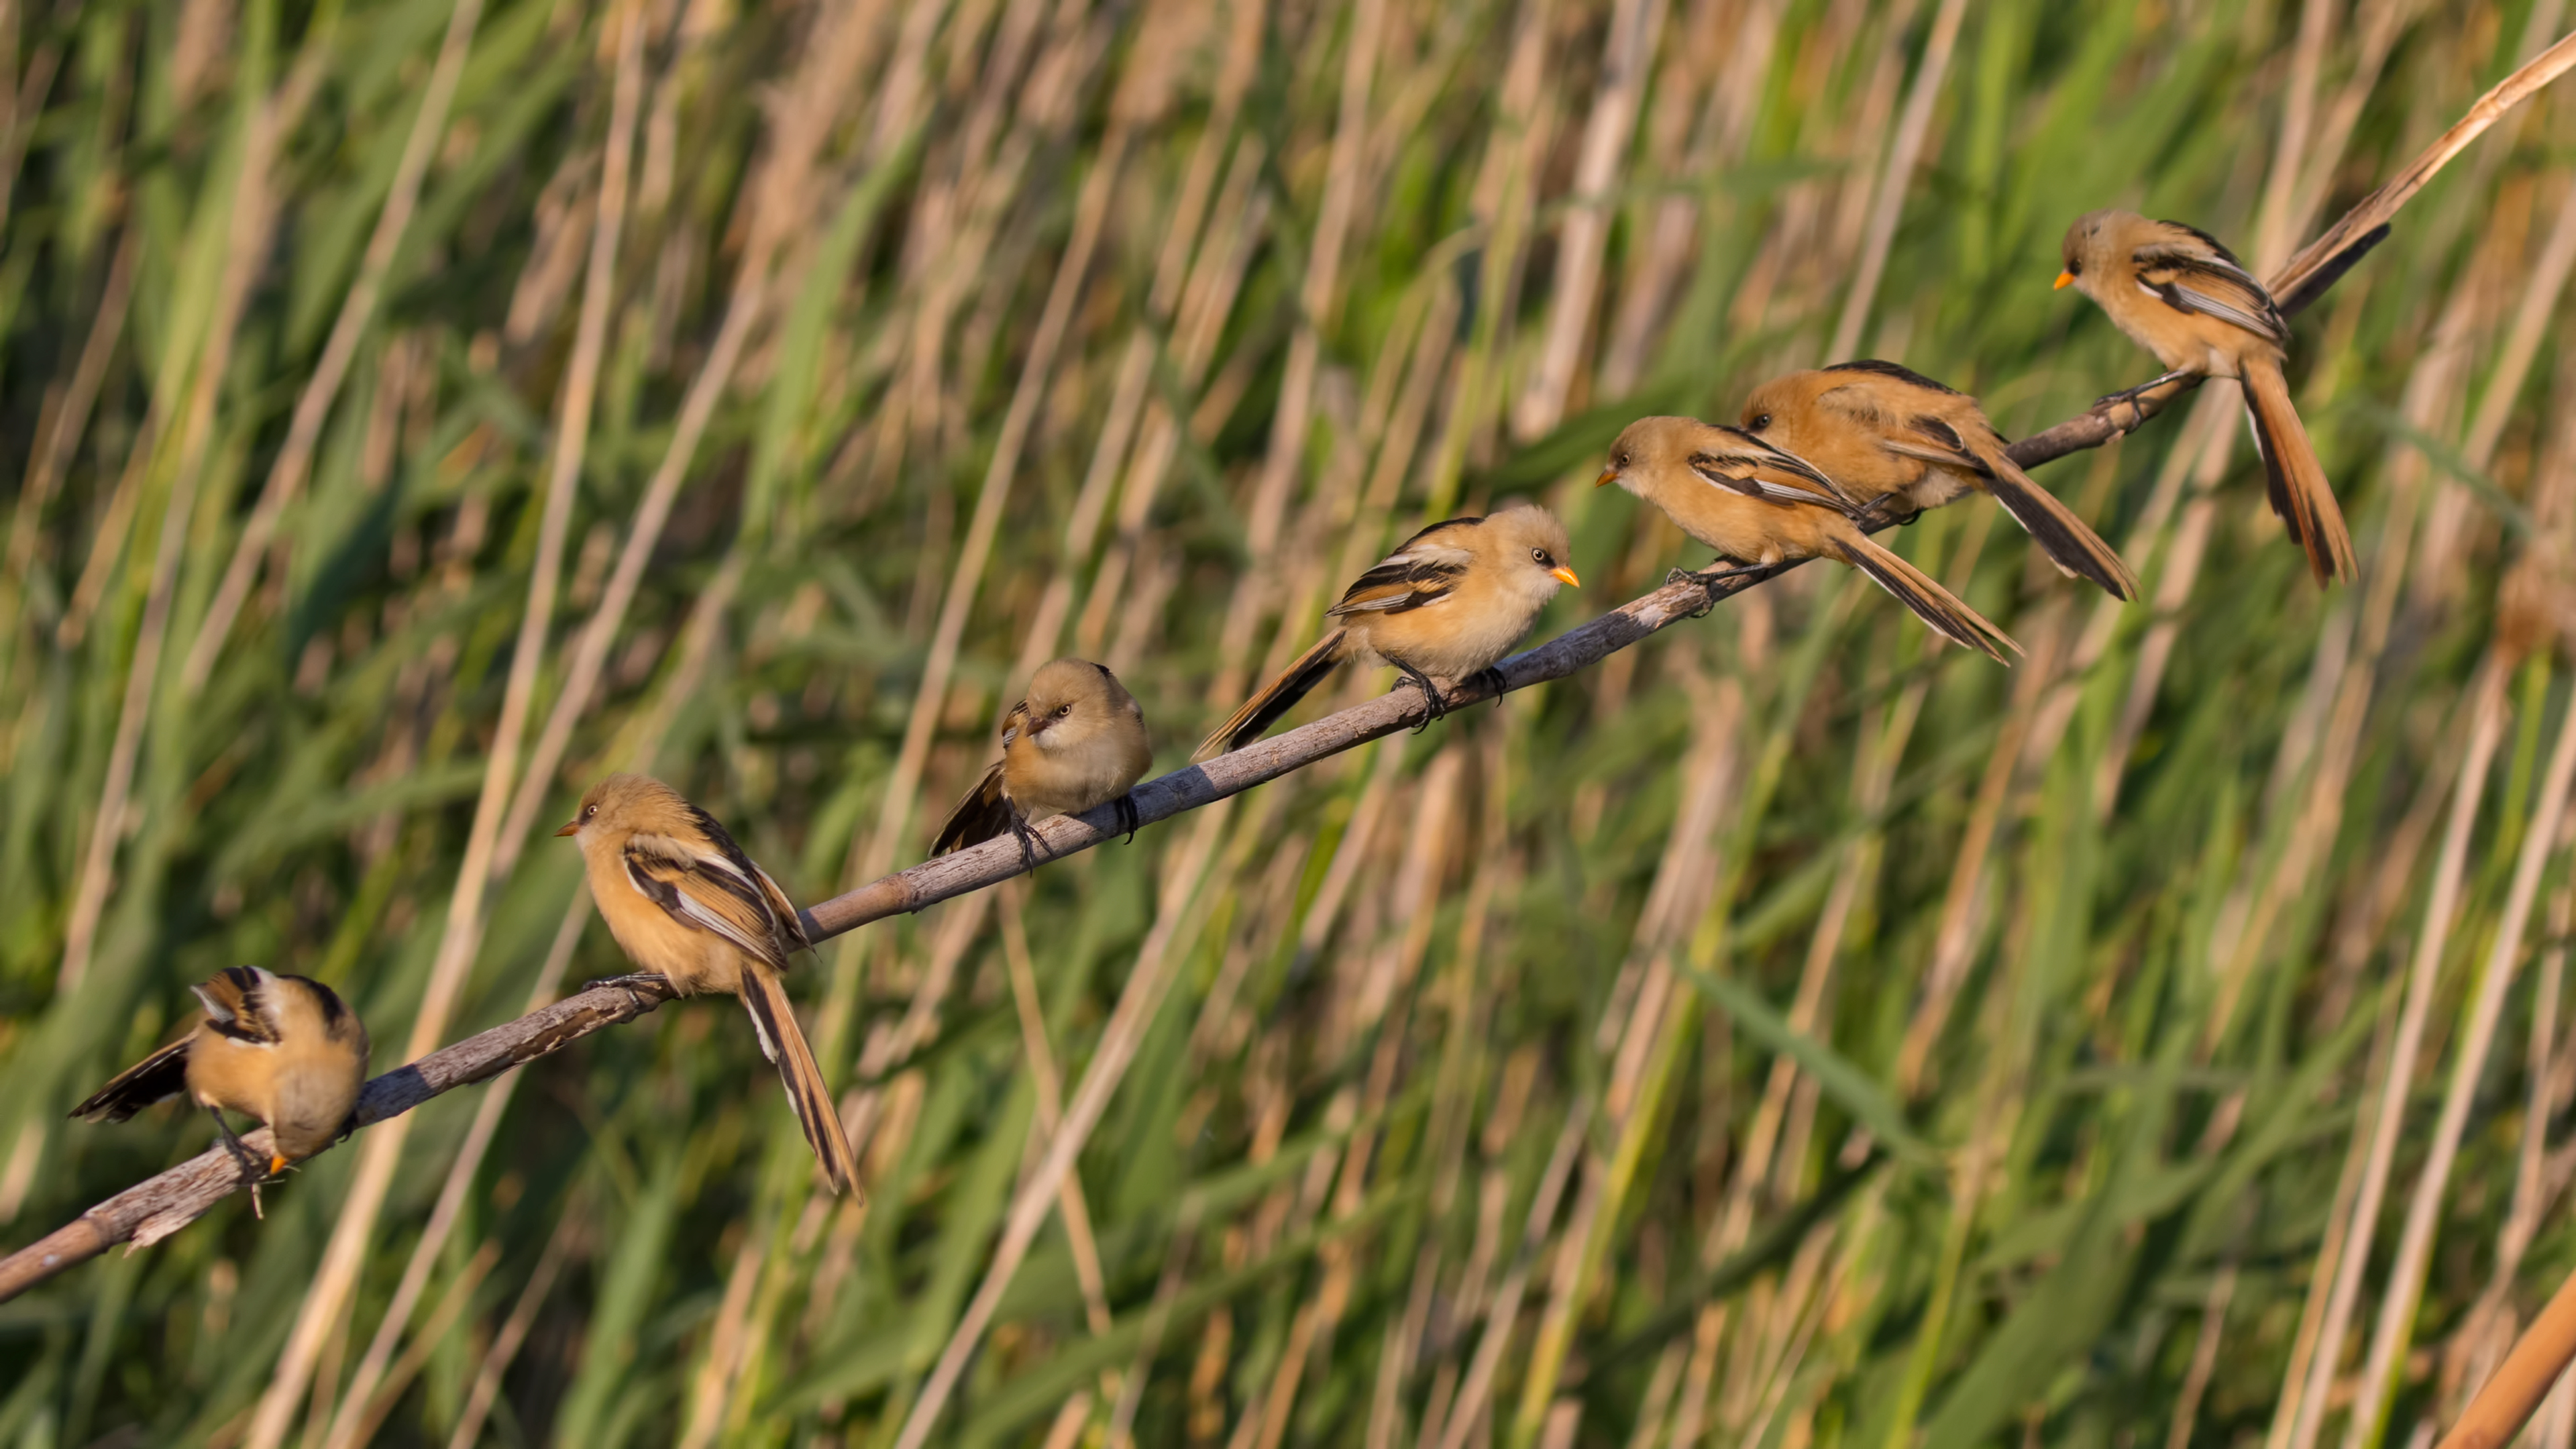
155,1208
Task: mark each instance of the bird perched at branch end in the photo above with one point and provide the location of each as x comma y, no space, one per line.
1449,603
283,1049
1761,507
1075,742
2185,298
1899,442
688,906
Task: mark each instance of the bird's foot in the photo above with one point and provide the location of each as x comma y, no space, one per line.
1433,706
1127,815
1028,840
1494,678
1708,582
2134,398
652,980
1882,509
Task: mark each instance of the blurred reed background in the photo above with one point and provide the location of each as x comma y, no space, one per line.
1789,1033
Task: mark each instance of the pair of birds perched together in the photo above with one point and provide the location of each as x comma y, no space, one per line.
1818,458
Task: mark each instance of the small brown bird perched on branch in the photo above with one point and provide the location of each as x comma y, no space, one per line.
1075,742
2185,298
1899,442
1450,603
283,1049
1760,507
689,907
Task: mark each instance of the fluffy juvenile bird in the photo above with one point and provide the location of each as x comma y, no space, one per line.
1897,441
1449,604
283,1049
1074,743
2185,298
1760,506
688,906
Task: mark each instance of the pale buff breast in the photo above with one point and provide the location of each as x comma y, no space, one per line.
1744,529
1448,639
303,1089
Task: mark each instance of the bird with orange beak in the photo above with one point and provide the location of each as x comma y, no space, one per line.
691,909
1450,603
283,1049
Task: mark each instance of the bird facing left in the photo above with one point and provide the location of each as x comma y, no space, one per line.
688,906
1075,742
283,1049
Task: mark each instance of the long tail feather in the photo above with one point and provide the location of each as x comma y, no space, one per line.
2300,493
783,1042
1932,603
158,1077
1281,695
980,816
2068,540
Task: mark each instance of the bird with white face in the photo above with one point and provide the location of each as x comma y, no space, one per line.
1075,742
1450,603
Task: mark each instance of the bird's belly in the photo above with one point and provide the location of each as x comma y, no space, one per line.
1065,787
1452,647
1745,529
1936,487
695,961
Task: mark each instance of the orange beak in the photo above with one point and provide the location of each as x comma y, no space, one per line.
1608,477
1565,576
276,1164
2064,280
570,827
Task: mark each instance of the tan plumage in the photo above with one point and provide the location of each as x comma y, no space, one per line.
1761,506
1075,742
283,1049
686,904
2185,298
1451,602
1897,440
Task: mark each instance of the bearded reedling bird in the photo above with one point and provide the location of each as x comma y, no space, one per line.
1762,507
1449,603
1899,442
1074,743
690,908
283,1049
2185,298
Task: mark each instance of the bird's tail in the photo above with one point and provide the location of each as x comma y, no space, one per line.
1932,603
2300,494
160,1076
2067,539
980,816
773,1016
1277,698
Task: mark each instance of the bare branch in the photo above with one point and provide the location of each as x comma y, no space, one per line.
159,1206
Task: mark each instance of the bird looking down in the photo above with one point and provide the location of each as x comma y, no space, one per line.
283,1049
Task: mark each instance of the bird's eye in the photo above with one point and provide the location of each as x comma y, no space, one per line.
2074,267
1539,555
1062,710
1761,422
589,812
